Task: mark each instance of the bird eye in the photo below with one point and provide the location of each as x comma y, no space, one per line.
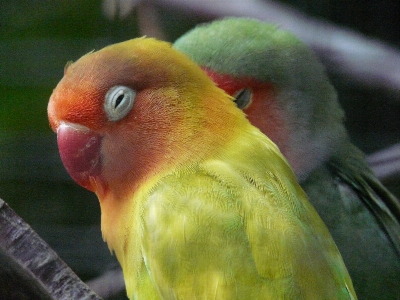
118,102
243,98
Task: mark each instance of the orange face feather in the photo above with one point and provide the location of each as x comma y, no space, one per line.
98,152
172,121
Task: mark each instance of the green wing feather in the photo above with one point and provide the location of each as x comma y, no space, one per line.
353,170
363,220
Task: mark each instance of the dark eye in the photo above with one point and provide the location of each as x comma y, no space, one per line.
243,98
118,102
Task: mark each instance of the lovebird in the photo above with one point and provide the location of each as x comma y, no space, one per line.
284,90
196,202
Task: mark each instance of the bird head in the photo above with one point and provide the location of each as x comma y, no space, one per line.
130,110
277,81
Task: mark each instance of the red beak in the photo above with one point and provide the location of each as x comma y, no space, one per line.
79,149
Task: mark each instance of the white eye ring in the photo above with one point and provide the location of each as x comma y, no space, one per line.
119,102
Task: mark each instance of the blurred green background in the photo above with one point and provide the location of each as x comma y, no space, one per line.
37,38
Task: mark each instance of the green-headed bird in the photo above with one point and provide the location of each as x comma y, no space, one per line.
282,87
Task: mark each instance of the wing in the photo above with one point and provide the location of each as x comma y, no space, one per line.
381,203
215,232
363,218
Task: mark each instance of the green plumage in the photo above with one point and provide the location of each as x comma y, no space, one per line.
362,216
308,102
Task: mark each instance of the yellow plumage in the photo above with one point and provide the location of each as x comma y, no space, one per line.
195,201
231,227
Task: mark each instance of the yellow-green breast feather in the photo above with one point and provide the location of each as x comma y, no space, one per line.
233,227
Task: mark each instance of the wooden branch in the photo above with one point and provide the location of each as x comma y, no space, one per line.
344,51
108,284
30,269
385,162
148,21
118,9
